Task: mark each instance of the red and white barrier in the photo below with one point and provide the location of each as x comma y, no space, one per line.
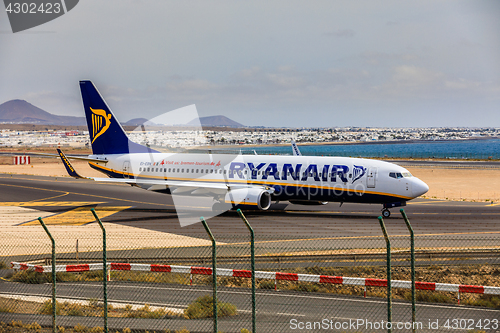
21,159
350,281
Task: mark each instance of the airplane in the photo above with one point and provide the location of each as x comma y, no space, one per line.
243,181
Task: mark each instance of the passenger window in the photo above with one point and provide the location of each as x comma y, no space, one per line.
178,170
225,171
169,169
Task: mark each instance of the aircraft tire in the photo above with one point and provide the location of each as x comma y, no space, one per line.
386,213
219,207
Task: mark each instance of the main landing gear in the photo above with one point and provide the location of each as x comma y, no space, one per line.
385,209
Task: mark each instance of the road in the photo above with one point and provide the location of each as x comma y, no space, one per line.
276,309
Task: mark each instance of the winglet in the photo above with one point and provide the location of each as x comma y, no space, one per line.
296,151
69,168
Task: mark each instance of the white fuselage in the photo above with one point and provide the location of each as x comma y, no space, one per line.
292,177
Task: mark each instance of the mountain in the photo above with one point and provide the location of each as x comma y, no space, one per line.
216,121
19,111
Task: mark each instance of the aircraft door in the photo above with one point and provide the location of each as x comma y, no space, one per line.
371,177
126,169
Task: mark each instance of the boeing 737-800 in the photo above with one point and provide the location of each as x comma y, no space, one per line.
242,180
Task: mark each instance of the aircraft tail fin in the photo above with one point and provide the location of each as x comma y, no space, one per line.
106,134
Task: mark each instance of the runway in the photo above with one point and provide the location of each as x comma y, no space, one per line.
155,211
284,228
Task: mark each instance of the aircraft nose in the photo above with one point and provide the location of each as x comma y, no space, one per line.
419,187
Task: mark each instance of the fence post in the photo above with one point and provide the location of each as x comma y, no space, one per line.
54,327
412,251
389,286
104,270
252,260
214,271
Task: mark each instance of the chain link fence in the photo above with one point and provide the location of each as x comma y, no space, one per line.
163,281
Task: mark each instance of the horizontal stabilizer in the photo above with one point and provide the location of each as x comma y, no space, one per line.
81,158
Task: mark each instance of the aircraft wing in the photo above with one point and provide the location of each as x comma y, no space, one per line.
217,187
176,183
82,158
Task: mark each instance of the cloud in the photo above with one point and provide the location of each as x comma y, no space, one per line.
461,84
384,58
347,33
415,76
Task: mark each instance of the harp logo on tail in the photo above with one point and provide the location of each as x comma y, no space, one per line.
100,123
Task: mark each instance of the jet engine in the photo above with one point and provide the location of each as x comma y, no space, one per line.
255,198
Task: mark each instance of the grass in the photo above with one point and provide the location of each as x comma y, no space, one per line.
95,309
20,327
32,277
489,301
203,307
3,265
10,305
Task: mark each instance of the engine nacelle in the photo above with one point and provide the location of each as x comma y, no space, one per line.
308,203
249,197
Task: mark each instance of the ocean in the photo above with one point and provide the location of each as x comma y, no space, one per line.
455,149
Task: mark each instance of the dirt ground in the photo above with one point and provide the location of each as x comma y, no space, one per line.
450,184
460,184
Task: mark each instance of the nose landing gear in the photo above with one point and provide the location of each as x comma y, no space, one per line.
385,209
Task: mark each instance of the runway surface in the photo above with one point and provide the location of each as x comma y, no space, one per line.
282,229
155,211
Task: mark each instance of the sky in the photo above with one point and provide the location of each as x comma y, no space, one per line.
267,63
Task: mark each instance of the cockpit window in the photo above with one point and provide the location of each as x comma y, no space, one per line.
399,175
396,175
